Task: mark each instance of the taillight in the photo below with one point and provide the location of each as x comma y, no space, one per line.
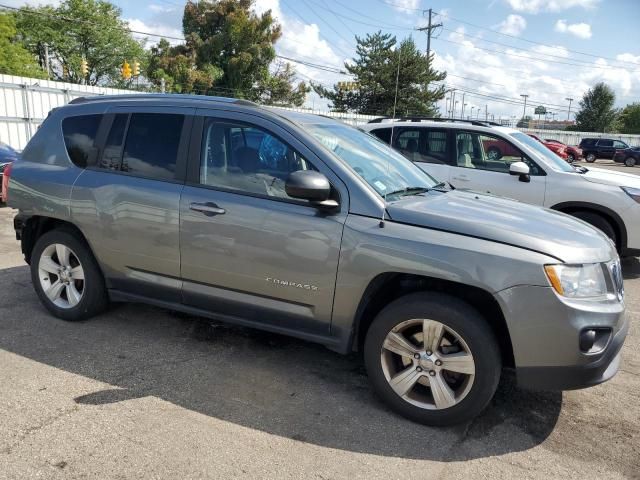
5,182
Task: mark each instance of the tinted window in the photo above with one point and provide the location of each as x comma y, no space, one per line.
112,154
247,159
151,148
79,138
423,145
383,134
486,152
605,143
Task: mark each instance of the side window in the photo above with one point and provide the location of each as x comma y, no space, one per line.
487,152
247,159
434,147
151,147
383,134
79,138
605,143
112,153
619,144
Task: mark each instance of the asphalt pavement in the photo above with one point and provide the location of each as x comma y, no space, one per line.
145,393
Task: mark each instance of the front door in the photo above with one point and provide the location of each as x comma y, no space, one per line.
249,251
483,166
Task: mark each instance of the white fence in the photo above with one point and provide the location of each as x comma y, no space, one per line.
25,103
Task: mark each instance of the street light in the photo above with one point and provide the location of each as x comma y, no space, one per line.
472,112
455,107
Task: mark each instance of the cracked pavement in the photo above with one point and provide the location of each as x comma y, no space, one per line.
141,392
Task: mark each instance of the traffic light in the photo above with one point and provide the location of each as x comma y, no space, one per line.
84,68
136,68
348,86
126,70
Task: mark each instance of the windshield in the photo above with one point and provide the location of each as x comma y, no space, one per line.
389,173
556,162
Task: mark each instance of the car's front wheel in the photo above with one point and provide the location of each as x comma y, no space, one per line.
66,276
590,158
571,158
432,358
494,153
630,161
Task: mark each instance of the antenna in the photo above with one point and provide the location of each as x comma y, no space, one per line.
395,103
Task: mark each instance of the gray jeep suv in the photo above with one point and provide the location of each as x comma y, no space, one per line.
301,225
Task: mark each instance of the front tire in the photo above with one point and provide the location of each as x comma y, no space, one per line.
600,223
571,158
66,276
590,158
432,358
630,161
494,153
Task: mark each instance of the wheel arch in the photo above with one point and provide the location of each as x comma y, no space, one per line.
36,226
612,217
387,287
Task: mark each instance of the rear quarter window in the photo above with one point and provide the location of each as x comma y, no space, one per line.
79,138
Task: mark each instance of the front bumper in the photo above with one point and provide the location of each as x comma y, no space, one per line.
545,331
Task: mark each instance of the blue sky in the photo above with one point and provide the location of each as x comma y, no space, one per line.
538,55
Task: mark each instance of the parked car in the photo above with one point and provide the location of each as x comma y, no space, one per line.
574,153
594,148
629,156
558,149
7,156
457,152
316,230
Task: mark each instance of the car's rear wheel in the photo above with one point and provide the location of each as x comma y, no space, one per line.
66,277
590,158
432,358
494,153
630,161
571,158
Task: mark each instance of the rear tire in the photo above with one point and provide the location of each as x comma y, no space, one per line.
457,394
571,158
66,276
590,158
494,153
630,161
601,223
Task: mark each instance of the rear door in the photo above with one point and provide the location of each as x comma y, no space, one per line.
480,169
127,200
605,149
249,251
427,148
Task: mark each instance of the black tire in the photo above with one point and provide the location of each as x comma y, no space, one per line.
630,161
571,158
494,153
600,222
590,157
468,323
94,298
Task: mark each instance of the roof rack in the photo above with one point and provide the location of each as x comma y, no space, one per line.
171,96
480,123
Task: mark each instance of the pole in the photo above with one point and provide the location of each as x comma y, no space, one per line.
429,29
462,108
162,85
524,108
486,113
569,111
453,104
47,65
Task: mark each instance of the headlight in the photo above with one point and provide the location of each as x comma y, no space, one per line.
632,192
577,281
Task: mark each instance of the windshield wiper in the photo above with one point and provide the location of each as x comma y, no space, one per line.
442,185
409,191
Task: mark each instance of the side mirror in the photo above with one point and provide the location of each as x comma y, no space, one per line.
520,169
312,186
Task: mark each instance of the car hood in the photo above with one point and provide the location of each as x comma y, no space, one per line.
506,221
608,177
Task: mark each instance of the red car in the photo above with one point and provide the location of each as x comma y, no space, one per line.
573,153
558,149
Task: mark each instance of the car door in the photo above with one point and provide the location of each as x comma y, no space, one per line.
250,252
427,148
605,149
127,200
480,169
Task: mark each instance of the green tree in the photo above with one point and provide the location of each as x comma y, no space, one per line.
278,88
629,120
597,113
379,60
14,58
77,29
524,122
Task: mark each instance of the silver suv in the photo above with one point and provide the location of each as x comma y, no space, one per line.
301,225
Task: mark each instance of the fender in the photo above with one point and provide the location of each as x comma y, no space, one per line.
618,222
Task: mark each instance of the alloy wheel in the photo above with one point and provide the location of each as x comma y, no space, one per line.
61,275
630,161
427,364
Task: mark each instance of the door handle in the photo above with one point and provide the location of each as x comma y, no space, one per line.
209,209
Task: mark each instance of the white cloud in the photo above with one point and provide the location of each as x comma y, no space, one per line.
161,8
405,5
536,6
512,25
580,30
556,51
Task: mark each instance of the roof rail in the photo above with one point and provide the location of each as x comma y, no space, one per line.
171,96
480,123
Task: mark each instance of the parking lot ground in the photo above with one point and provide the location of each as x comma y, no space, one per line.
611,165
145,393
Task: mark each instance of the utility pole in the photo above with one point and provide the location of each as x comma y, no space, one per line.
453,102
486,113
569,111
462,106
162,85
524,109
429,29
47,65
